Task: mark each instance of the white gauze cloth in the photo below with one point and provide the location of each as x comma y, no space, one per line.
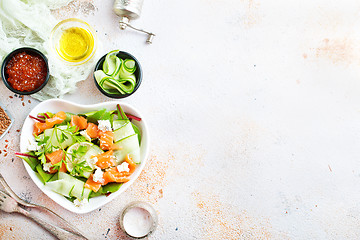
28,23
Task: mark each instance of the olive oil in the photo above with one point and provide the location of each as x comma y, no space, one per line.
76,44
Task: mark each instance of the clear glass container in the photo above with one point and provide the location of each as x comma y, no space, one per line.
11,119
73,41
138,211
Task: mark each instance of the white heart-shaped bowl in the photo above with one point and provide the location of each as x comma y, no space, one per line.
56,105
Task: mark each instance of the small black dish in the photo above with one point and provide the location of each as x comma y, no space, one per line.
28,50
137,73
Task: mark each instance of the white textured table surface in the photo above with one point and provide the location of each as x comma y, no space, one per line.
254,113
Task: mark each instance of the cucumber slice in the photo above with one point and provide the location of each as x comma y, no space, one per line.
129,65
86,174
118,123
91,150
110,83
127,84
117,75
77,185
120,155
76,146
123,132
128,145
127,68
99,75
135,156
77,190
60,186
54,136
110,65
86,193
69,186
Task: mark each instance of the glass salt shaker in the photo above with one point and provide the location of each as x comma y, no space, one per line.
138,220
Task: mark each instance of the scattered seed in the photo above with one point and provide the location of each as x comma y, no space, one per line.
5,155
6,140
29,101
4,121
11,97
23,104
18,130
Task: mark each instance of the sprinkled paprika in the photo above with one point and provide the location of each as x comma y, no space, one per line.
26,72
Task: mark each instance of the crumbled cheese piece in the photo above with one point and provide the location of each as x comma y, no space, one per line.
124,167
81,203
104,125
47,166
98,175
92,161
85,135
33,146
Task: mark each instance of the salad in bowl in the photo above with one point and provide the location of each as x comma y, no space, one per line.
83,156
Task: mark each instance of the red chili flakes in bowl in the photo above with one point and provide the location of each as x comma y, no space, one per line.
26,72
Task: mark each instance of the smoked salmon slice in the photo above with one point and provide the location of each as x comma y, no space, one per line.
58,118
92,130
39,128
49,123
79,122
105,160
113,175
106,140
54,158
131,163
91,184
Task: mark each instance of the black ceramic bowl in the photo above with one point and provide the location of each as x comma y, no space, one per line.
137,73
30,51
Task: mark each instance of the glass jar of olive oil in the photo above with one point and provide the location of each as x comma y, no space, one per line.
74,41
